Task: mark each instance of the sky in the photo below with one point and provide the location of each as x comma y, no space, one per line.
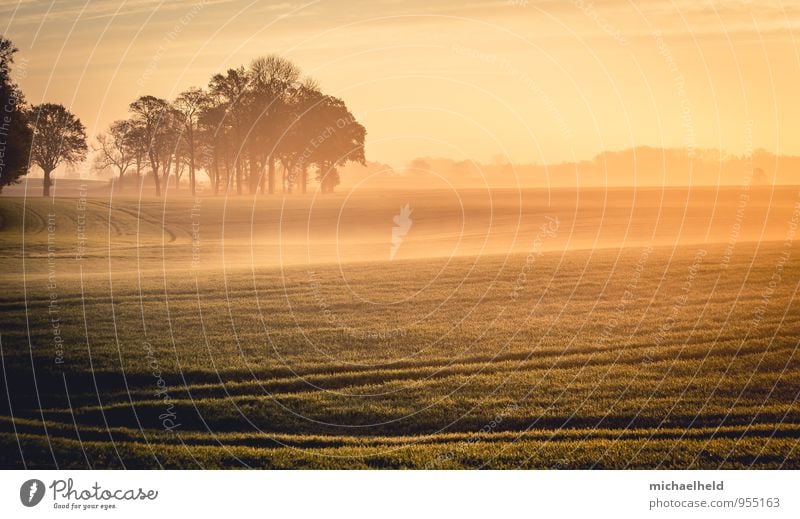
536,81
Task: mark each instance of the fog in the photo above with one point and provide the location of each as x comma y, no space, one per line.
179,231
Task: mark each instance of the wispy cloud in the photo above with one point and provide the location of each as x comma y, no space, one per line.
38,11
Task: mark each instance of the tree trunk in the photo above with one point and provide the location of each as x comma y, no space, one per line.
238,177
304,179
46,182
216,176
329,180
263,177
177,177
158,183
156,178
255,171
323,178
166,170
191,160
229,175
271,174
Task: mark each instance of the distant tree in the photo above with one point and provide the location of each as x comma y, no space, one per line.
15,131
760,178
58,137
117,148
420,165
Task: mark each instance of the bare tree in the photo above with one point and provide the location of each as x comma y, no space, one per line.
58,137
117,148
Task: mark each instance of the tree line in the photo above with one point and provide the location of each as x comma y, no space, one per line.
258,129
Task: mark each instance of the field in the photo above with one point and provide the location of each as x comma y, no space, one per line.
536,329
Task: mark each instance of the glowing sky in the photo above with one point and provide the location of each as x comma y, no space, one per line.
537,81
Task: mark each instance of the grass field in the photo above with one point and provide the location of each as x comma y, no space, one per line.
623,329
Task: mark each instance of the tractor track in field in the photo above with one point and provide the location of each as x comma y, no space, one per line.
35,222
65,430
136,215
309,384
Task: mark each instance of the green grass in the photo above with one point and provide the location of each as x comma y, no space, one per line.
612,358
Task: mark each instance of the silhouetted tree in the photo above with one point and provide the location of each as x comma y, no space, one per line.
342,141
172,150
153,118
15,132
180,152
230,89
138,142
299,147
190,105
214,136
248,123
273,80
58,137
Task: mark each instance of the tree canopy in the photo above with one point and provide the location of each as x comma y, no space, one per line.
58,137
257,129
15,132
260,128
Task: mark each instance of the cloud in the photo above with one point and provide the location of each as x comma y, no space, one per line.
27,12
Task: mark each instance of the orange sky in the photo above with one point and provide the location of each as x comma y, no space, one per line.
536,81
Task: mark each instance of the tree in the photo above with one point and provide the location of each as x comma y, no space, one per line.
170,148
338,138
190,105
230,89
214,136
58,137
15,131
153,119
308,127
248,122
180,155
273,80
117,148
137,140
